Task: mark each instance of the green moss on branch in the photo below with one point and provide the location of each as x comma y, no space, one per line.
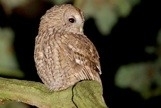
85,94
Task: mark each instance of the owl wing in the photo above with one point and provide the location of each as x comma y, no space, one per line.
81,51
62,59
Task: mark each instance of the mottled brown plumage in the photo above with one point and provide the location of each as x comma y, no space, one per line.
63,54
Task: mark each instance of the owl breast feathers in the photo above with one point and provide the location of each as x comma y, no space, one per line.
63,54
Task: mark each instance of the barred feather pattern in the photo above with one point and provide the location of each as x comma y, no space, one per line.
63,54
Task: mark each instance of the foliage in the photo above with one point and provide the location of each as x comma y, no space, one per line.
104,12
144,77
8,62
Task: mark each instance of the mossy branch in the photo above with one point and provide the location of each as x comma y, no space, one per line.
85,94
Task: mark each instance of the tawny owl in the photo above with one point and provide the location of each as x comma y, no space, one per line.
63,54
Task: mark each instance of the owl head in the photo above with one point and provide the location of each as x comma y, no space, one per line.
63,18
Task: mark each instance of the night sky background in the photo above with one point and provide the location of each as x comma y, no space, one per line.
125,44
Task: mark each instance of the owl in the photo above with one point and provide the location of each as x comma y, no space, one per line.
63,54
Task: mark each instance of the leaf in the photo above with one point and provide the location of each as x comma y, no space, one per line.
106,12
8,62
140,77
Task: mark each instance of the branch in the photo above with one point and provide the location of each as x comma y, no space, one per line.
85,94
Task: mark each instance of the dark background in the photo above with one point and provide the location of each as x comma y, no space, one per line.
125,44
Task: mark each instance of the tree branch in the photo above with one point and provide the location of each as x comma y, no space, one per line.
85,94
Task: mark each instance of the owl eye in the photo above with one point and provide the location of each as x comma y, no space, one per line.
72,20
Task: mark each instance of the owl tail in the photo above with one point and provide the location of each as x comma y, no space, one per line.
91,74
